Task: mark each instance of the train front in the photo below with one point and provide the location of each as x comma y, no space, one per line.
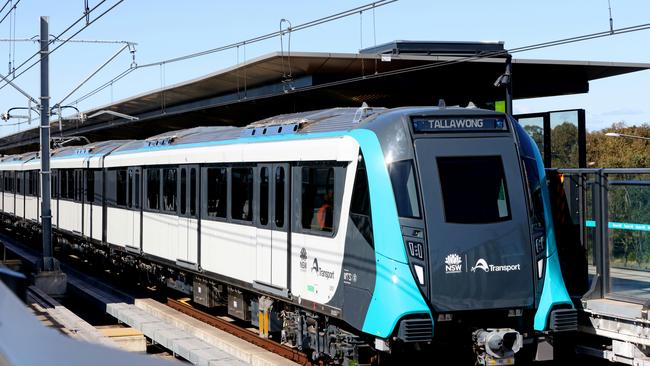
475,220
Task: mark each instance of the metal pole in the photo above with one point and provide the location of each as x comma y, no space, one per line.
509,109
46,213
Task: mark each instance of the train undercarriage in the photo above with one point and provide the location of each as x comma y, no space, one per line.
320,337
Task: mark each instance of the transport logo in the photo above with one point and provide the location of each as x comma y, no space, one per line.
320,271
482,264
453,264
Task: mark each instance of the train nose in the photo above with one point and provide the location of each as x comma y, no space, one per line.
496,346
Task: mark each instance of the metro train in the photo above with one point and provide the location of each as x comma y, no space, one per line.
342,232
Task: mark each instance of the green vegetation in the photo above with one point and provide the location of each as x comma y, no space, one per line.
629,195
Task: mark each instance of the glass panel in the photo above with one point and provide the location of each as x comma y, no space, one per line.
136,188
193,192
402,176
242,193
183,191
360,206
629,235
564,139
120,189
170,182
217,192
264,196
279,197
98,186
317,198
153,189
130,189
534,126
466,201
90,186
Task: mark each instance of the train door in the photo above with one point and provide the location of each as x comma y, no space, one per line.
134,198
272,237
187,241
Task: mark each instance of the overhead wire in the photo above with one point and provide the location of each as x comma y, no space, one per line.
52,41
256,39
10,9
64,41
525,48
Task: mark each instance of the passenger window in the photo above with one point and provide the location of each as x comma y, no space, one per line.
360,205
98,185
474,189
183,191
402,177
130,189
136,188
217,192
90,186
242,193
279,197
111,186
153,189
193,192
54,183
19,183
121,188
170,182
264,196
317,198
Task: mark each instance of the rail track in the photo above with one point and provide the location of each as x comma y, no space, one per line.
268,344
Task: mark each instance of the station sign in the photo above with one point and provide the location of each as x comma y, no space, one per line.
458,124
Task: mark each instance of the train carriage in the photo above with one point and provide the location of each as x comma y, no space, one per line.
354,227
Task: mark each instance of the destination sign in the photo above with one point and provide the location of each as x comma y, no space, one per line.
458,124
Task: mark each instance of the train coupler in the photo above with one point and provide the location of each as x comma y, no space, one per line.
496,346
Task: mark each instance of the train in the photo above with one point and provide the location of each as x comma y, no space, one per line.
344,232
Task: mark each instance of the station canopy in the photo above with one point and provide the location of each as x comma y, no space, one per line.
394,74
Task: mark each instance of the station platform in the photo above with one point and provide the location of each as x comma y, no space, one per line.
195,341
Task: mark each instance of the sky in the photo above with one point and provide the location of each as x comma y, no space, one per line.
164,29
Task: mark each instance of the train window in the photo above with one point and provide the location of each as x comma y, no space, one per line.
121,187
54,183
317,198
20,188
264,196
170,182
193,192
11,182
33,183
474,189
136,189
111,179
217,192
242,193
63,183
78,184
360,205
90,186
153,189
129,188
279,197
183,191
402,177
98,185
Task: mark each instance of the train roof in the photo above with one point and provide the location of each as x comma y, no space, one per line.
318,121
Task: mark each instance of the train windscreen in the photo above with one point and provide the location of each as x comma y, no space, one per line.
473,189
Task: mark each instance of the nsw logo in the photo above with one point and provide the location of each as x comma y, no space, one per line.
453,264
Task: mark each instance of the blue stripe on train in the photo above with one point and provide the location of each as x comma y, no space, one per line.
396,294
554,291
